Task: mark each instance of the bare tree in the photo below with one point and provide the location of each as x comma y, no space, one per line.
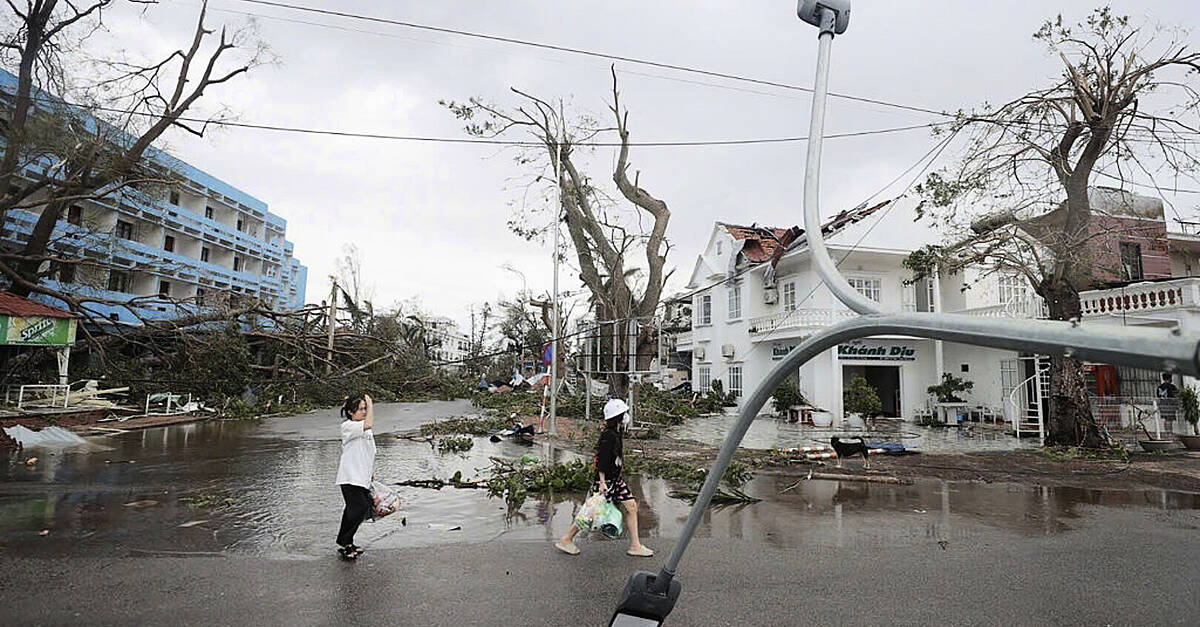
350,274
481,323
603,237
1127,103
58,154
522,331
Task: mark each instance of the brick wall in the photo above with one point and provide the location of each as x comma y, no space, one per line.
1110,231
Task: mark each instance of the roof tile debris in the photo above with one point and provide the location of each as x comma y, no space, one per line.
764,243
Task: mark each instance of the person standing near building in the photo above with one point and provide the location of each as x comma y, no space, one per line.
1168,400
355,470
607,481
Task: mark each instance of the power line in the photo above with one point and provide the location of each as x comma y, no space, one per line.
588,53
288,20
488,141
599,55
593,54
1158,188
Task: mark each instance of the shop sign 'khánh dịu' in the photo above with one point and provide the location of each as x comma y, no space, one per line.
877,351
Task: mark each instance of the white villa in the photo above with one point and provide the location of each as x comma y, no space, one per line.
756,296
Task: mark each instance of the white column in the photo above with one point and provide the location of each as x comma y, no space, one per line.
64,360
835,378
938,357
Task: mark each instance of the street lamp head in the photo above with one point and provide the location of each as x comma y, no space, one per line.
831,16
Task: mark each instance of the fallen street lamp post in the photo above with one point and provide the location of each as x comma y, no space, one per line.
1143,348
648,597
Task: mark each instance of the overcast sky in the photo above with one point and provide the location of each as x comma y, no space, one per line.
430,219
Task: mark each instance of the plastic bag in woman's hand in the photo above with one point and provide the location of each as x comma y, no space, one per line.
591,508
385,502
609,521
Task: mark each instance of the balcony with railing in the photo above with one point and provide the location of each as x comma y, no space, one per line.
1139,298
1142,298
1028,308
683,341
796,319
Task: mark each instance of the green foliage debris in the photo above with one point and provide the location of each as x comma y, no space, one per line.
455,444
515,480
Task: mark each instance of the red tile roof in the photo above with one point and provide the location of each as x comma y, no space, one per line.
13,305
763,242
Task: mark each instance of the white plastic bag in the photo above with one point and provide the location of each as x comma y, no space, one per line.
590,510
385,502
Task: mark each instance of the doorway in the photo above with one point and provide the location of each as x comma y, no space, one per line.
885,380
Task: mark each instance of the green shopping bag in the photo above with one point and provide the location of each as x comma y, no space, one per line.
609,522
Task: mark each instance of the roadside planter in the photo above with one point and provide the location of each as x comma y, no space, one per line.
1156,446
1190,409
859,400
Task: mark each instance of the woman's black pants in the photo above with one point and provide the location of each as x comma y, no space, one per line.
358,505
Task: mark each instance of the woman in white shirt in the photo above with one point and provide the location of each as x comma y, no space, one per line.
356,469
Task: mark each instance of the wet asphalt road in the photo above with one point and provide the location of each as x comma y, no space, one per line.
125,543
1125,567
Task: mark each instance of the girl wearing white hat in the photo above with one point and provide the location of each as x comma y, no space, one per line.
608,481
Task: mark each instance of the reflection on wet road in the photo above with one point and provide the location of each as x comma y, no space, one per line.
267,488
768,432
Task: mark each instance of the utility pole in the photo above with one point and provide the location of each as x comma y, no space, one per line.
332,322
555,331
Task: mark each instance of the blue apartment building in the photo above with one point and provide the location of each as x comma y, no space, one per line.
197,243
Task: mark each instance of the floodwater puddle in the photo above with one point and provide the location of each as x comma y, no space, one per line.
767,432
266,487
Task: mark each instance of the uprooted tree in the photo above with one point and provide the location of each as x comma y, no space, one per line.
605,238
1126,105
259,360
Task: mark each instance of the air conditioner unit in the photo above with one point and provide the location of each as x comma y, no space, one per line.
727,351
698,352
770,296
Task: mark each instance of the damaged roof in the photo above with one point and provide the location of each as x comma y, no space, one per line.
760,242
18,306
763,243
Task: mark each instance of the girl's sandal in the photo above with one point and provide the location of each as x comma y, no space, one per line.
350,552
641,551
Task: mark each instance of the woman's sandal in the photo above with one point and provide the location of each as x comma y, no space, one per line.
350,552
642,551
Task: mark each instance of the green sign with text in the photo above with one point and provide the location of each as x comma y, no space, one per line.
37,331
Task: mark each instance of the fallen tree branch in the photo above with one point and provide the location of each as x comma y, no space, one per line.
829,476
437,484
723,496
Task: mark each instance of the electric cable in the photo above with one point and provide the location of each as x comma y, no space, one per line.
493,141
587,53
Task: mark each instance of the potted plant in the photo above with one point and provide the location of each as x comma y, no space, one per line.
1190,408
719,397
860,401
787,396
1154,443
948,390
